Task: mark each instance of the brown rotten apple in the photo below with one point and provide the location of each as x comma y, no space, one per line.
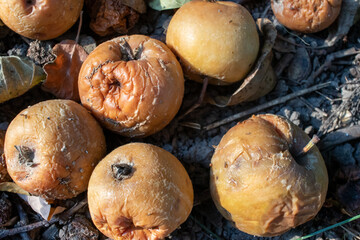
259,180
4,176
214,39
41,20
52,147
306,16
139,191
132,84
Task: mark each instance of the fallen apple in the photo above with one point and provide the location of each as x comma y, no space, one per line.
52,147
308,16
132,84
216,39
42,20
259,179
139,191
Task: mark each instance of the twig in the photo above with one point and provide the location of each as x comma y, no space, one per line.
267,105
79,28
63,216
331,57
23,220
306,102
351,233
340,136
283,63
200,99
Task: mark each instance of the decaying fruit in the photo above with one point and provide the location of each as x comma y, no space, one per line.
306,16
259,181
132,84
214,39
139,191
114,16
41,20
52,147
4,176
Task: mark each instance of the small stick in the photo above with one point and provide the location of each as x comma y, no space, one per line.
283,63
79,28
313,141
199,101
266,105
23,220
63,216
306,102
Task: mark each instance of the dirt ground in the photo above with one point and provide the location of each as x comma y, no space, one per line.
300,62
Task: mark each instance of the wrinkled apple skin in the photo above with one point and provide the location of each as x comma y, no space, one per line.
42,20
257,183
149,202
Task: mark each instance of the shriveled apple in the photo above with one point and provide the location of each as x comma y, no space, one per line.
132,84
52,147
308,16
259,179
139,191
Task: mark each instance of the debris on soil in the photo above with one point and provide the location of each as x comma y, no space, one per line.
318,88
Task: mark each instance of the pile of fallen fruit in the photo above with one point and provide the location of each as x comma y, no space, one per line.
179,119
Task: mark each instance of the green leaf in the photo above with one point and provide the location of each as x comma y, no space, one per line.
161,5
17,76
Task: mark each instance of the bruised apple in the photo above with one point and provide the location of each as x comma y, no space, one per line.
216,39
259,179
52,147
133,85
40,20
139,191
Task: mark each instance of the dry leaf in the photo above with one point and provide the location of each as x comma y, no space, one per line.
300,66
348,17
161,5
261,79
17,76
42,207
109,16
348,188
62,74
12,187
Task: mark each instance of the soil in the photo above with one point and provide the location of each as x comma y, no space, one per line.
297,57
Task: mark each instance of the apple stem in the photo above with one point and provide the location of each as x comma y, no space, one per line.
313,141
26,155
121,171
126,50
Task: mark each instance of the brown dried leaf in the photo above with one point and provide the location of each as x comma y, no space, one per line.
261,79
349,15
300,67
42,207
12,187
62,74
348,189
